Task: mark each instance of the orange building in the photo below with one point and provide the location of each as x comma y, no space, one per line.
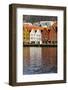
48,34
44,31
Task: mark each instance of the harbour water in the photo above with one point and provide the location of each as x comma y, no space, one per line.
39,60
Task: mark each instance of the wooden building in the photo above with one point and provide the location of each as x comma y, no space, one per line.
53,34
26,36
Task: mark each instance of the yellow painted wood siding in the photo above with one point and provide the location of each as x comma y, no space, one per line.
26,36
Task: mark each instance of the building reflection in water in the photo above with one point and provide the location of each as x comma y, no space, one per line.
39,60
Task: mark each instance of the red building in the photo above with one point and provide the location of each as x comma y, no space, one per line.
45,35
53,34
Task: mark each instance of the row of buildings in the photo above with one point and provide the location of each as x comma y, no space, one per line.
39,35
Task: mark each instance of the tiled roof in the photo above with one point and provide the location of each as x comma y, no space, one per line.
30,27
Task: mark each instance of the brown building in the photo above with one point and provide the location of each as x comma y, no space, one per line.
45,36
53,34
48,34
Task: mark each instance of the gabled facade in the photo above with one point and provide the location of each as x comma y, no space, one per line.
53,37
45,36
53,34
38,37
35,37
32,36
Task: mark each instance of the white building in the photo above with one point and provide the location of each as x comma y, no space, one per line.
35,37
32,36
36,24
46,23
38,37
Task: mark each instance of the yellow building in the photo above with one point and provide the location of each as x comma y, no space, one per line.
26,36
